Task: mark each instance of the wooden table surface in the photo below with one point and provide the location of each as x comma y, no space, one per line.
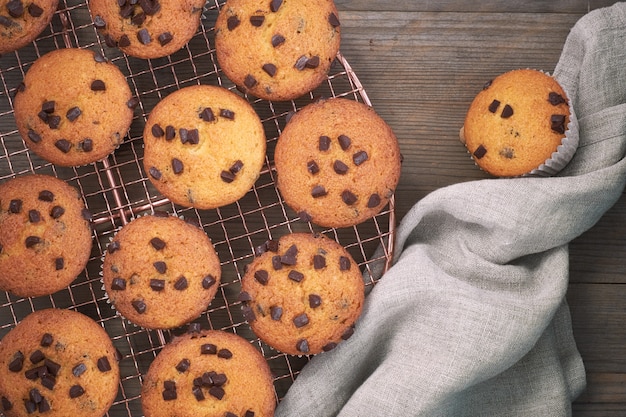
421,63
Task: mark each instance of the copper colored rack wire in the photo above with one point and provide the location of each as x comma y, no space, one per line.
116,190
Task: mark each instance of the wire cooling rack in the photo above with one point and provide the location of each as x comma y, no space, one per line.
116,190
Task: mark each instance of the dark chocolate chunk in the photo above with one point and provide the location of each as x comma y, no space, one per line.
170,133
318,191
15,8
32,241
493,107
257,20
109,41
276,313
177,166
315,300
165,38
301,320
124,41
97,85
52,367
99,22
169,385
557,123
43,116
139,306
250,81
319,261
295,276
277,263
44,406
157,131
340,168
224,354
193,137
206,380
208,349
302,345
270,69
359,157
46,340
227,176
48,106
15,206
301,63
113,246
275,5
217,392
272,245
348,197
312,167
304,216
6,22
277,40
207,115
54,121
103,364
132,103
138,19
76,391
313,62
150,7
227,114
232,22
126,11
34,216
48,381
333,20
507,112
348,333
480,152
249,413
34,10
181,283
97,56
244,297
344,142
46,195
373,201
17,363
31,407
169,395
86,145
290,256
229,414
157,284
194,329
157,243
6,404
35,395
329,346
73,113
144,36
208,281
79,369
63,145
344,263
236,167
555,99
155,173
262,276
33,136
34,373
160,266
197,393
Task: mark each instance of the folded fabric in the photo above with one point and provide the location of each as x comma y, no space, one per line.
471,318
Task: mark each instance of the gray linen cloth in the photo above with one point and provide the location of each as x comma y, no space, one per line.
471,319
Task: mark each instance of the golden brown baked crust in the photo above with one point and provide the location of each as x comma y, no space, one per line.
45,235
73,107
303,295
21,21
213,374
337,162
57,363
277,50
516,122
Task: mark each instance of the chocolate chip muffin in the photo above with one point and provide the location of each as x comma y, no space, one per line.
73,107
57,363
147,28
21,21
517,123
45,235
337,162
204,147
212,373
279,49
160,272
303,295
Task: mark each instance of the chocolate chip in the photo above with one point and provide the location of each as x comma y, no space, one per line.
194,329
126,11
34,10
318,191
295,276
15,8
15,206
165,38
270,69
157,243
197,393
138,19
301,63
373,201
480,152
348,197
207,115
144,36
232,22
227,176
157,284
33,136
33,374
59,264
132,103
37,356
63,145
257,20
493,107
99,22
302,345
344,263
170,133
157,131
206,380
35,395
189,136
301,320
48,381
177,166
314,300
319,261
43,116
208,349
276,313
344,142
557,123
6,404
169,395
139,306
208,281
329,346
34,216
507,112
150,7
183,365
86,145
30,406
54,121
79,369
244,297
333,20
359,157
181,284
340,168
217,392
118,284
236,167
313,62
155,173
229,414
97,85
32,241
113,246
276,263
224,354
73,113
227,114
272,245
304,216
290,256
277,40
6,22
17,363
275,5
124,41
262,276
52,367
250,81
160,266
555,99
312,167
249,413
103,364
48,106
44,406
348,333
46,340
